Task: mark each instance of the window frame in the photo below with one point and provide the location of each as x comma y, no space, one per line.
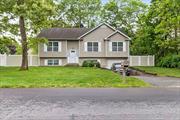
118,47
53,63
53,47
93,47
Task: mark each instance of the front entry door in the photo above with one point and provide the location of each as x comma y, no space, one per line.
72,58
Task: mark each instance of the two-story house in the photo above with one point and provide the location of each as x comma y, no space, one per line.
74,45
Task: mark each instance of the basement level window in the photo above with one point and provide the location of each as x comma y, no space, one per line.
53,62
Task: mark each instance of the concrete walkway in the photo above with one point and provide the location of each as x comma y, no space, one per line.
161,81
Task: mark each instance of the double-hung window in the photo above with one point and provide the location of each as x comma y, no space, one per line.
53,46
92,46
117,46
53,62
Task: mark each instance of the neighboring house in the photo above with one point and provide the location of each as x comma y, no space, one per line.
74,45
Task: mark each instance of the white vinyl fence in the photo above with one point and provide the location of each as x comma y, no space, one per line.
33,60
142,60
15,60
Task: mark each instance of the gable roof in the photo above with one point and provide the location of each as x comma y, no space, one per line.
97,28
117,31
74,33
63,33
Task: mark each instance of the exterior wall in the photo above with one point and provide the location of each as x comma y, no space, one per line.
53,54
97,35
117,38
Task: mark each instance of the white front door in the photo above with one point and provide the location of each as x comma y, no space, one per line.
72,57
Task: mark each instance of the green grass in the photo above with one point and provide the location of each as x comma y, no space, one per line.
55,77
173,72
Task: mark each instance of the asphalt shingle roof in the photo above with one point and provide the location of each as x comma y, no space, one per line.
63,33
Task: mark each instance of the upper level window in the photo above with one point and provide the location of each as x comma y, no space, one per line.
92,46
117,46
52,46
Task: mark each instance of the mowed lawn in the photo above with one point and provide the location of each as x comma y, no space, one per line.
173,72
56,77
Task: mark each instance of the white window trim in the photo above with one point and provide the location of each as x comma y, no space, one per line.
99,46
117,46
46,62
59,46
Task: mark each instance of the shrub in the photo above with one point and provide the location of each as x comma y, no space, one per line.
170,61
91,63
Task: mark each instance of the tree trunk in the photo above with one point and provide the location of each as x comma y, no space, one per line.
24,64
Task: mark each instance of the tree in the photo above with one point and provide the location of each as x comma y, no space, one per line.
123,14
22,19
79,12
158,30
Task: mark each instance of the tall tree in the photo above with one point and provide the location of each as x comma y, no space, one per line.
159,30
79,12
22,19
123,14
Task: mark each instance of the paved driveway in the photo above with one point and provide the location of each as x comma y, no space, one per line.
90,104
161,81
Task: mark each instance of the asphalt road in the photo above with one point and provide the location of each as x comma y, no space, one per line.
90,104
161,81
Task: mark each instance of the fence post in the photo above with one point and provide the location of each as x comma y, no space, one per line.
153,61
139,60
148,61
30,60
3,60
130,60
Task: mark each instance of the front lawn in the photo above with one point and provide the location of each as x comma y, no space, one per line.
37,77
174,72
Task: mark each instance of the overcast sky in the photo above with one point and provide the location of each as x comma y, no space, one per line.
146,1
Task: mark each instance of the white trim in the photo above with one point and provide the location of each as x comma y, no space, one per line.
45,61
99,50
59,46
85,46
124,47
117,31
45,47
95,29
79,48
66,48
52,46
110,46
99,47
60,62
106,47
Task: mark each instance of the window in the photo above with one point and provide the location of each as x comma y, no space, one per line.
92,46
117,46
52,46
52,62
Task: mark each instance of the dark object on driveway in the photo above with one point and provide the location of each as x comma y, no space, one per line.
118,67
